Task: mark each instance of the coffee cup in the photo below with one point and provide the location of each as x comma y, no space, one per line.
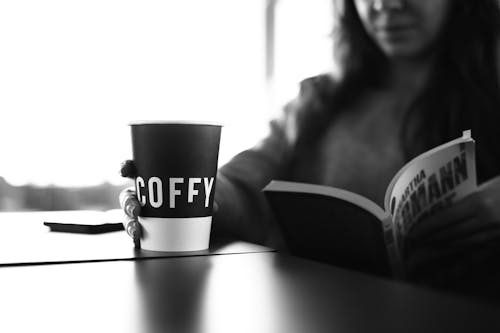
176,166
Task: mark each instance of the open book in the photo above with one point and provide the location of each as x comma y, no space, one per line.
347,229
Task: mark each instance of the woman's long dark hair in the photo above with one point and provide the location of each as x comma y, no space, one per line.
463,91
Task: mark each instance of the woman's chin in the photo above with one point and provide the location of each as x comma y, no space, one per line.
403,51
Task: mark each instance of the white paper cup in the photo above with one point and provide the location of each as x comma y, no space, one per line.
176,175
175,234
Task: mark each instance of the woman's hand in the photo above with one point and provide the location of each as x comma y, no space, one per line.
458,238
131,207
130,204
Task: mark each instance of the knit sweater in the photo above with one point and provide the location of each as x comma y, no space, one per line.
357,151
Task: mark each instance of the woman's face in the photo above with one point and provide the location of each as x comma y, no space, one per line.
403,28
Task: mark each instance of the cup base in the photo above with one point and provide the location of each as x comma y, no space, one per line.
175,234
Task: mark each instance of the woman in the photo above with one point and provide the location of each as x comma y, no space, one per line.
412,74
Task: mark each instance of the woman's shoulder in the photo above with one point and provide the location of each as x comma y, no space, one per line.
318,87
313,104
314,93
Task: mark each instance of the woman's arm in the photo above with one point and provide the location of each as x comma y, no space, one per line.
242,209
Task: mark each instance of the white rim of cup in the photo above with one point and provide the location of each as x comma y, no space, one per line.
174,122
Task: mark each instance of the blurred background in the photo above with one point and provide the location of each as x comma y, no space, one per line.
74,73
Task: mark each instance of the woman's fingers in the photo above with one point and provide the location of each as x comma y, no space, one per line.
460,230
132,226
131,207
124,194
133,229
426,254
458,239
472,214
445,218
129,202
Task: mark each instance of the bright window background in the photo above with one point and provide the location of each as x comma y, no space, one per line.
74,73
303,44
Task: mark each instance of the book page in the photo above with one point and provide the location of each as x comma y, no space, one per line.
430,182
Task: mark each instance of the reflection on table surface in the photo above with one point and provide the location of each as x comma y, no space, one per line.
253,292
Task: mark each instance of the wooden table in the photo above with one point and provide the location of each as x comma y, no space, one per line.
28,241
232,292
